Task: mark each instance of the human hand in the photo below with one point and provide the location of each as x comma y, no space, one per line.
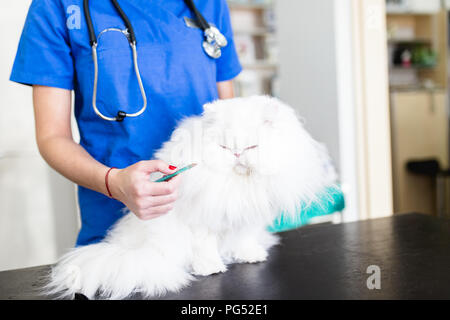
146,199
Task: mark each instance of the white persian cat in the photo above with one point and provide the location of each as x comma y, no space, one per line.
254,160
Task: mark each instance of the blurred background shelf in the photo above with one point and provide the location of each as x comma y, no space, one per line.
417,43
413,67
413,7
257,32
260,65
409,41
255,39
247,6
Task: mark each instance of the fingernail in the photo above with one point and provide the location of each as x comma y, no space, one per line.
172,167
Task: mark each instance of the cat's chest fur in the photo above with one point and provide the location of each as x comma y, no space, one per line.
219,201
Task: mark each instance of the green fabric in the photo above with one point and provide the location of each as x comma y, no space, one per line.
330,201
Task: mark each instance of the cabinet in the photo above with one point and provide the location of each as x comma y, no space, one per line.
419,123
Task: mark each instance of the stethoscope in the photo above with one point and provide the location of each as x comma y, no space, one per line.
213,41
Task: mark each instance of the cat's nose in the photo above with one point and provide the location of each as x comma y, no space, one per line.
237,155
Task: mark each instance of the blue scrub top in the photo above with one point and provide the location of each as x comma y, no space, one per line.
177,75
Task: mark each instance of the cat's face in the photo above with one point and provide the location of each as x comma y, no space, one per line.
243,138
253,156
231,149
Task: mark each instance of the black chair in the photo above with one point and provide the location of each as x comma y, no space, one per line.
432,168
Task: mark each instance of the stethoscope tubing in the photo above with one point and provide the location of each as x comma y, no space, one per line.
130,35
214,41
120,115
123,16
203,24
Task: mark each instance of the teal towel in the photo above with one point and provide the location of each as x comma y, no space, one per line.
330,201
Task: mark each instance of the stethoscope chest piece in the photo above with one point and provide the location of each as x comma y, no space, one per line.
214,42
212,50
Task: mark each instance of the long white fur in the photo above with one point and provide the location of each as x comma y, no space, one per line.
224,207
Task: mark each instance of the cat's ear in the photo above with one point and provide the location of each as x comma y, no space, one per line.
271,108
276,110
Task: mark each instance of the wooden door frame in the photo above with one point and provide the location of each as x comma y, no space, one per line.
372,113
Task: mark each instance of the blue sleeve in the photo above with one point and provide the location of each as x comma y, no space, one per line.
44,54
228,65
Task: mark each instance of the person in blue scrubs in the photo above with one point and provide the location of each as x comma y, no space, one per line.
54,56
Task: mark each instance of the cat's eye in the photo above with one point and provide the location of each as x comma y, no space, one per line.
245,149
251,147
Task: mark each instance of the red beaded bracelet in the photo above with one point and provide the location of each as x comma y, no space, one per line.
106,182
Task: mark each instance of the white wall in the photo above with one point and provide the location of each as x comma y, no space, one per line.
307,65
315,46
38,213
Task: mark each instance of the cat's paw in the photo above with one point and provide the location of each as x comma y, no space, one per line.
250,254
205,267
